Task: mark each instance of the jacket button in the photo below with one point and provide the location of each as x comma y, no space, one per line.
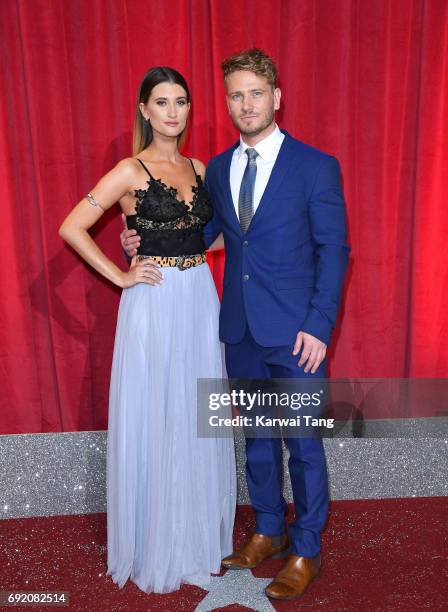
246,277
245,243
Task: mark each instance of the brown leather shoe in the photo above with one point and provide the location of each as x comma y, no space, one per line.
294,577
256,550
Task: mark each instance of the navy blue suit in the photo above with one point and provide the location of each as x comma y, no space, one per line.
285,274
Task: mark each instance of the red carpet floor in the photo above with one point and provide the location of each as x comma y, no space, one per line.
378,555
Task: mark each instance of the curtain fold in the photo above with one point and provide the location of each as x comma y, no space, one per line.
366,82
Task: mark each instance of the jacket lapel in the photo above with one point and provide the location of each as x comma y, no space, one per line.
225,178
278,173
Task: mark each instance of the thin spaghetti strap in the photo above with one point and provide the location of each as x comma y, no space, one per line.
194,169
145,168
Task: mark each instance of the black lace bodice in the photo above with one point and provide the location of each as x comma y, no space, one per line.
169,226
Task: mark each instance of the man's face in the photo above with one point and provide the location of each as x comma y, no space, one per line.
251,101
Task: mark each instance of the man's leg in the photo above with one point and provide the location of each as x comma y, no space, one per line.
264,464
263,471
307,464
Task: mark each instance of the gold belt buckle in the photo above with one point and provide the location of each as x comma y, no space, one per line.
180,262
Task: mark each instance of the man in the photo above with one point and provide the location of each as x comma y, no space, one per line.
280,207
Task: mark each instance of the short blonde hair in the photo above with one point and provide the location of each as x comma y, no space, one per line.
254,60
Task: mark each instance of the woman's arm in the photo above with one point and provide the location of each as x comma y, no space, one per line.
217,244
74,230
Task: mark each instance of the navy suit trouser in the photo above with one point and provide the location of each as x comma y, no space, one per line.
264,465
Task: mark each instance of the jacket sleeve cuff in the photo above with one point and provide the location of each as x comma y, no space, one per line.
318,326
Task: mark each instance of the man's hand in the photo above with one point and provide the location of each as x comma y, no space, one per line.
130,240
313,352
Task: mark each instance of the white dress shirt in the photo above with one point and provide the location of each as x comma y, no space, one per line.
267,150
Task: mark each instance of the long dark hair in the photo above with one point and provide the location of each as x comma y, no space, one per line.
142,128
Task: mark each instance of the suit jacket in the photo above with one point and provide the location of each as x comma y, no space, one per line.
286,272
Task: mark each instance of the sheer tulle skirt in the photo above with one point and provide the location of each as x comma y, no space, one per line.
170,495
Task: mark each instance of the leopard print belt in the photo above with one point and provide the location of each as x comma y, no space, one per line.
183,262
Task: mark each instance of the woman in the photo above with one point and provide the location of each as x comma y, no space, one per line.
170,495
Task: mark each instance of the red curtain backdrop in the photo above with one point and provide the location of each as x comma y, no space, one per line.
364,81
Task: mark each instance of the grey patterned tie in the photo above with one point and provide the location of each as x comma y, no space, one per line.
246,197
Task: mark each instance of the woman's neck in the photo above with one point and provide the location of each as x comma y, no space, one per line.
163,149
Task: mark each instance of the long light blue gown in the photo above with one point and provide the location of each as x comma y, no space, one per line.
171,495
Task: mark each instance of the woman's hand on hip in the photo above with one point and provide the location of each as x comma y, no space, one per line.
144,271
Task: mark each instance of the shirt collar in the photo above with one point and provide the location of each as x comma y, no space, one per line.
266,148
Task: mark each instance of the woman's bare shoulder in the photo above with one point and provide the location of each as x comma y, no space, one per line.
128,165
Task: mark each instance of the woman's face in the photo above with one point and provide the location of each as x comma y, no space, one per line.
167,109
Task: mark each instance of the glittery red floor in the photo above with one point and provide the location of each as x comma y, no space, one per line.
378,555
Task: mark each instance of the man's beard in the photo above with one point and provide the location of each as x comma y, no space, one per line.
258,130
